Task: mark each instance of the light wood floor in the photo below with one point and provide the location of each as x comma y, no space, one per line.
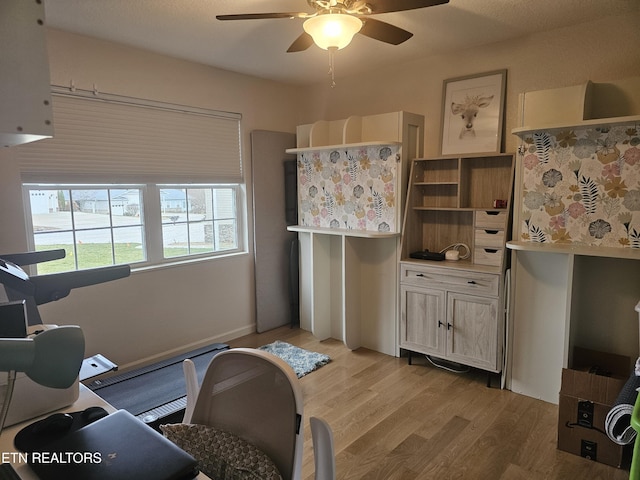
394,421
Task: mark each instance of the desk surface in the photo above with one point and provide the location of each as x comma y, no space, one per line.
8,453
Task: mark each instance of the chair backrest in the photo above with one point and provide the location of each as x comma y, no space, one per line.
256,396
323,451
191,380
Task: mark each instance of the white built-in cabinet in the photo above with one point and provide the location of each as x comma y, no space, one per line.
576,237
352,177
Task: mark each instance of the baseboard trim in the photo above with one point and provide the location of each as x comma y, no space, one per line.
222,338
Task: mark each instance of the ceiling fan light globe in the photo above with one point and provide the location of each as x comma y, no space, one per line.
332,30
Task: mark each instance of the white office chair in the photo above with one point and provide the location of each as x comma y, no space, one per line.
254,395
191,379
323,451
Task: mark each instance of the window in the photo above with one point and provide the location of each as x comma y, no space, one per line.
198,220
96,227
133,181
105,225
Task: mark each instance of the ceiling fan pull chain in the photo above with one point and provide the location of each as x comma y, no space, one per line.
332,51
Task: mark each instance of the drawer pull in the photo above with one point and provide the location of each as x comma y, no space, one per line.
491,232
420,275
472,282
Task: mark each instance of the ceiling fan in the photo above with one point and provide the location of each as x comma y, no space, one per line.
335,22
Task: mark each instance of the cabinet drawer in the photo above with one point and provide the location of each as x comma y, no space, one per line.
451,279
489,238
488,256
491,219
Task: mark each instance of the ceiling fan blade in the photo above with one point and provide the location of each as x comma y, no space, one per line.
301,43
386,6
260,16
385,32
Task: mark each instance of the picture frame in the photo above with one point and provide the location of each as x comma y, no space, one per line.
473,113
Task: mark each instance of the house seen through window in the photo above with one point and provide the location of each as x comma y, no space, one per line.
106,225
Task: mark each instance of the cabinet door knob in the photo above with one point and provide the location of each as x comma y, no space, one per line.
449,326
440,324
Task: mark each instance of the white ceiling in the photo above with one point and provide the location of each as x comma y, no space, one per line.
188,29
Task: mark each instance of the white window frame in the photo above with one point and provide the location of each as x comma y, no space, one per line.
155,227
151,220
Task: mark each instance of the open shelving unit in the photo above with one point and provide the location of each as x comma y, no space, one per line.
453,200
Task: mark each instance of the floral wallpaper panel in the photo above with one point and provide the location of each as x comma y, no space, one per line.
350,188
582,186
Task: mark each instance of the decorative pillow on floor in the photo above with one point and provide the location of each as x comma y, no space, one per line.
222,455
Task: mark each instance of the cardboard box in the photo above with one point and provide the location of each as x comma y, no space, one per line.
585,399
591,442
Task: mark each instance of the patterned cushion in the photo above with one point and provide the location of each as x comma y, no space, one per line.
222,455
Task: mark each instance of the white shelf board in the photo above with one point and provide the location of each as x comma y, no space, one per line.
345,232
612,252
340,146
596,122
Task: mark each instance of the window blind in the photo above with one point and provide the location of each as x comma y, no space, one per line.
119,140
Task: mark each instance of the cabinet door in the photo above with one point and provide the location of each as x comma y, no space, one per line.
472,327
422,323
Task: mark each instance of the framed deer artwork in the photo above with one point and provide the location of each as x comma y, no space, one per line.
472,113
